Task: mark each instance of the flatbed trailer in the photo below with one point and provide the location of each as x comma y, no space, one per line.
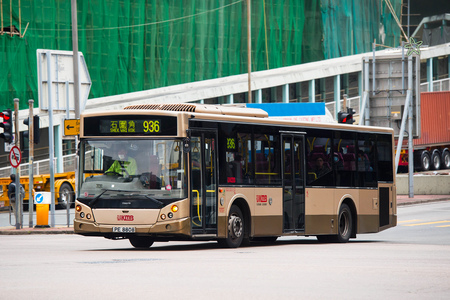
64,188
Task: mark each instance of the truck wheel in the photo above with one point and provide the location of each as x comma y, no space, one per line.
65,195
436,160
425,161
446,159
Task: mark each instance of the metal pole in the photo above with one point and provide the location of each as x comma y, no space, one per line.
19,206
403,67
249,50
410,130
51,141
402,129
76,76
344,103
30,162
408,18
363,116
373,69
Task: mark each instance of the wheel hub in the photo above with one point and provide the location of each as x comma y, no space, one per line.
235,226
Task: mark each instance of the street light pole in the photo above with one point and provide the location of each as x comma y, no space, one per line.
249,50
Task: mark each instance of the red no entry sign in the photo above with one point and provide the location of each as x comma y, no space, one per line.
15,156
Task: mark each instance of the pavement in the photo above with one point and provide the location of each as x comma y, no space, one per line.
402,200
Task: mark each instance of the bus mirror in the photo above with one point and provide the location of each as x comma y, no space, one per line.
186,145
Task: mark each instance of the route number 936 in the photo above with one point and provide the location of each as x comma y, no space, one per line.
151,126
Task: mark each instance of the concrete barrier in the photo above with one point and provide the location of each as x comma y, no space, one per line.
425,184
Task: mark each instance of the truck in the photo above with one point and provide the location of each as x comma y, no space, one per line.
64,188
432,148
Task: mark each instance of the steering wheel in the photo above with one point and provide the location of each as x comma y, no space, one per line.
112,173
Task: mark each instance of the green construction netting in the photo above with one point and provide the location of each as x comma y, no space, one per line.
138,45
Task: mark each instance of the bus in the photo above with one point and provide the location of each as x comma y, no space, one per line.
230,174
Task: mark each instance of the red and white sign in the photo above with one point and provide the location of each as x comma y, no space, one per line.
125,218
15,157
261,198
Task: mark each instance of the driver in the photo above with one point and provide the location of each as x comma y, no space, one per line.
125,166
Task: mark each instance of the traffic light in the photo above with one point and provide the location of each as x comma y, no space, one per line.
7,126
36,136
346,117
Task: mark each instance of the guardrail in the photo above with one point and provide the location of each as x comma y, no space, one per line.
438,85
42,166
62,216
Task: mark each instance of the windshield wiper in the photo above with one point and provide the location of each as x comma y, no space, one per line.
154,200
95,200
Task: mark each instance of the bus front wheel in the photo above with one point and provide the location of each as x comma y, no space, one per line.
235,229
141,242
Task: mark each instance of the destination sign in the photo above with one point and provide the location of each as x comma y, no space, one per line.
130,125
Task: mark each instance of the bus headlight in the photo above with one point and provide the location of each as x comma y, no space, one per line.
174,208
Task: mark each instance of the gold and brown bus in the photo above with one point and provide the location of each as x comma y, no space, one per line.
166,172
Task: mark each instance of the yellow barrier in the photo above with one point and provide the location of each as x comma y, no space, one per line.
42,215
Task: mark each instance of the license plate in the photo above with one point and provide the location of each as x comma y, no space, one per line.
124,229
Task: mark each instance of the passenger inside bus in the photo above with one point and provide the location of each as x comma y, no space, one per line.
124,165
150,169
320,168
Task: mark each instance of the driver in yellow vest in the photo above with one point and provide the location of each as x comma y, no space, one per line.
125,166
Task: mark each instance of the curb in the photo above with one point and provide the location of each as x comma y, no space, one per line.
34,231
413,201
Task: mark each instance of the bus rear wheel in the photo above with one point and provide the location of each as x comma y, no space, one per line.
345,227
344,224
141,242
235,229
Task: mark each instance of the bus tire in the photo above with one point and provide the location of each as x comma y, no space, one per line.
436,160
345,224
425,161
446,159
65,195
141,242
236,229
345,227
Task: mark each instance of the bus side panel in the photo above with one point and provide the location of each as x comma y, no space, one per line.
368,216
266,207
320,211
268,216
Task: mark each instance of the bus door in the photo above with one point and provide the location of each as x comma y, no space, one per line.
293,182
203,181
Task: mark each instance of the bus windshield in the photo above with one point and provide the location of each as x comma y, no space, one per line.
136,168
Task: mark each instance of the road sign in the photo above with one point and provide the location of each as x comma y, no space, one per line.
15,156
42,198
56,67
72,127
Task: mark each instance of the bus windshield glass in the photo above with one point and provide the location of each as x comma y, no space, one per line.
136,168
